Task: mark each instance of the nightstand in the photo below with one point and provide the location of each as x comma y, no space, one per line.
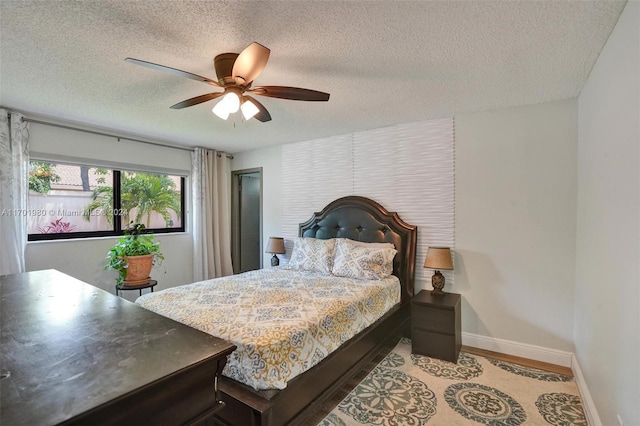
435,325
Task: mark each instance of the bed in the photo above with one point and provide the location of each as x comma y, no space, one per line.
292,357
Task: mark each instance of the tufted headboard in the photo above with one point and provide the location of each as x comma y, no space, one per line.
362,219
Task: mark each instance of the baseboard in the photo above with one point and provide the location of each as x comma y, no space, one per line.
593,419
539,353
523,350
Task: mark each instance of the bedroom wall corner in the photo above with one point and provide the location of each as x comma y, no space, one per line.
515,210
607,318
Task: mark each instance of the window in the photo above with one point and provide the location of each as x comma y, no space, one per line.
72,201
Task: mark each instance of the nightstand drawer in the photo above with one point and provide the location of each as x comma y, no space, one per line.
433,319
435,345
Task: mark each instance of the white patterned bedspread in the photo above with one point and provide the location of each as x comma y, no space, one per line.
282,321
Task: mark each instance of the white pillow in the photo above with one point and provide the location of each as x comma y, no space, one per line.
312,254
367,263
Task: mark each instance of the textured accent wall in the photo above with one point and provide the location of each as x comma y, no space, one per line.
408,168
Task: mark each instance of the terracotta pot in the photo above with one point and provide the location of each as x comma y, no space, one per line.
138,270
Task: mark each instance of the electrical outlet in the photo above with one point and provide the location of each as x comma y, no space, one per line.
620,421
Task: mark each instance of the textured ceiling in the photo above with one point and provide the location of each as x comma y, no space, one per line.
383,62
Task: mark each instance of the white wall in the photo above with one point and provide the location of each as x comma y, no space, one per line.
607,324
84,259
515,178
407,168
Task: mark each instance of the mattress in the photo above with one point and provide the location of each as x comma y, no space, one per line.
282,321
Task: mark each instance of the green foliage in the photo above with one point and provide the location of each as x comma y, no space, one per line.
41,176
134,243
141,194
102,202
149,193
98,171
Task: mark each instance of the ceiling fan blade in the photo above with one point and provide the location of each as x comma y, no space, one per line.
293,93
173,71
250,63
197,100
263,115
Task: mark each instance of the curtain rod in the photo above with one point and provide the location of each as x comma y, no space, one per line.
93,132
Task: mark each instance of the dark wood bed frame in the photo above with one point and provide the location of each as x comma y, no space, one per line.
357,218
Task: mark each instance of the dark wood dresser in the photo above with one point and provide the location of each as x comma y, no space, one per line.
435,325
74,354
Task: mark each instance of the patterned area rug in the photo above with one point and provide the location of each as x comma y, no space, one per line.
406,389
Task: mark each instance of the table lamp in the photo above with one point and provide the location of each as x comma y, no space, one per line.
275,246
438,258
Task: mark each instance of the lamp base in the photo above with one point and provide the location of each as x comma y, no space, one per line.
275,261
437,281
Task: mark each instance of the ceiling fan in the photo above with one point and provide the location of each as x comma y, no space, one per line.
236,72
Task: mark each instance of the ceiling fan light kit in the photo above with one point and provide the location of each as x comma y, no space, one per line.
229,104
249,110
221,110
236,72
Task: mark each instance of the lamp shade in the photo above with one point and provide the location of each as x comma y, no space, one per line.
438,258
275,245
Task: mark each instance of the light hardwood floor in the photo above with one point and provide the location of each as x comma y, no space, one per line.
552,368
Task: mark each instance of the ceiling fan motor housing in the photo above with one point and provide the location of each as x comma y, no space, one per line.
223,64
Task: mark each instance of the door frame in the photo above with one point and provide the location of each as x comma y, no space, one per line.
235,214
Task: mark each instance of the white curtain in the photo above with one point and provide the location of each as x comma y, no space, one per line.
211,214
14,178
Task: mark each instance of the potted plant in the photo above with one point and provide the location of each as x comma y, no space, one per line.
134,255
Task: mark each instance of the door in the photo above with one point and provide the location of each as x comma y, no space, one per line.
247,218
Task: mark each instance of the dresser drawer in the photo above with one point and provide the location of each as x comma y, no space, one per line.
433,319
435,345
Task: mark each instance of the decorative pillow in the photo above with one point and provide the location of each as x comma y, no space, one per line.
365,244
367,263
312,254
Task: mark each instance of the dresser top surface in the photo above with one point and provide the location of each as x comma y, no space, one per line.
70,347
